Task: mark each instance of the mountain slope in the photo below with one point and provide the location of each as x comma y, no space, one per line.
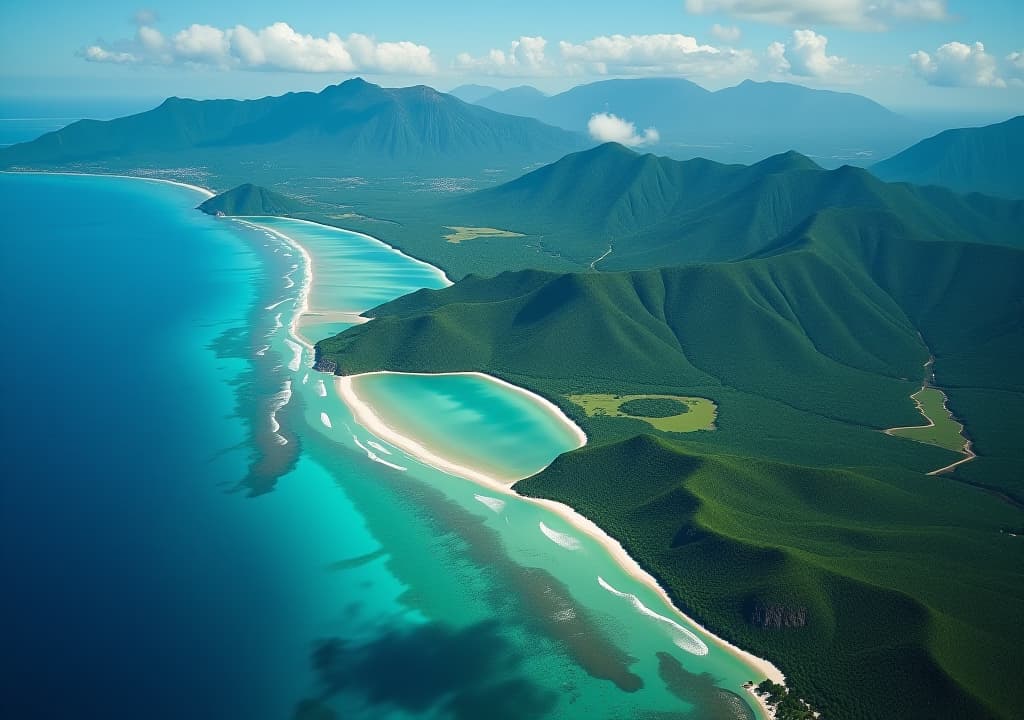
986,160
355,126
654,211
249,199
790,504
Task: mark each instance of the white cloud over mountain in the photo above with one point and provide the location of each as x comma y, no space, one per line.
804,55
525,57
605,127
612,55
274,47
858,14
957,64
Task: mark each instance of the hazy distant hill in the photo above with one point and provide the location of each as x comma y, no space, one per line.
249,199
354,127
522,100
987,159
653,211
736,124
472,93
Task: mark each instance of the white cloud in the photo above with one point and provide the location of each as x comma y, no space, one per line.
525,57
775,57
94,53
275,47
605,127
808,55
858,14
804,55
726,33
956,64
654,54
1015,67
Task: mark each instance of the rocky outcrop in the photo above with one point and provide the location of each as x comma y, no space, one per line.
325,365
769,616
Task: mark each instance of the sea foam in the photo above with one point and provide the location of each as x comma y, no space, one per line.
376,445
560,538
279,302
375,457
495,504
683,638
296,360
278,401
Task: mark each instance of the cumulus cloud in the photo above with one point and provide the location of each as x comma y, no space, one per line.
654,54
957,64
857,14
525,57
805,55
726,33
275,47
808,55
605,127
1015,67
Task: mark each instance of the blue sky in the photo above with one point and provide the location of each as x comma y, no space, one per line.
935,54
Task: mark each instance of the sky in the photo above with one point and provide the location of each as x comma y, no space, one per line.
911,55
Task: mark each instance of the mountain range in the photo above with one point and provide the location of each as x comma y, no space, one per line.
795,505
736,124
355,127
986,160
610,208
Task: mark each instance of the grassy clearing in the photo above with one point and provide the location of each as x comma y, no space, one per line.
699,415
943,431
462,233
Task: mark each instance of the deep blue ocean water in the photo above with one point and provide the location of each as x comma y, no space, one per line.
163,555
136,585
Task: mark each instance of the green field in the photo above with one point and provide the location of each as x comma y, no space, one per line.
462,233
699,416
944,431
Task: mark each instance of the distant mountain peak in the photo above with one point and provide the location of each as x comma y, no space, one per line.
786,161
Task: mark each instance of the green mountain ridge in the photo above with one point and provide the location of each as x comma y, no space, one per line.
354,127
986,160
654,211
249,199
796,505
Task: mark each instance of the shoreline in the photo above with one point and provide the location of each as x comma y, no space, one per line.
365,416
305,287
433,268
195,188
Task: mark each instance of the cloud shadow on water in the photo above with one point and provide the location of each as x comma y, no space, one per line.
466,673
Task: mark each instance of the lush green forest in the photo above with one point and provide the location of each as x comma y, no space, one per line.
610,208
249,199
819,541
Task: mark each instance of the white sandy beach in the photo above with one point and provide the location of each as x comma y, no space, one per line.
366,417
201,190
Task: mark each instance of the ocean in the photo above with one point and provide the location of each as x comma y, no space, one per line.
193,524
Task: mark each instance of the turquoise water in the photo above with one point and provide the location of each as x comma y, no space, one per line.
189,538
479,424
